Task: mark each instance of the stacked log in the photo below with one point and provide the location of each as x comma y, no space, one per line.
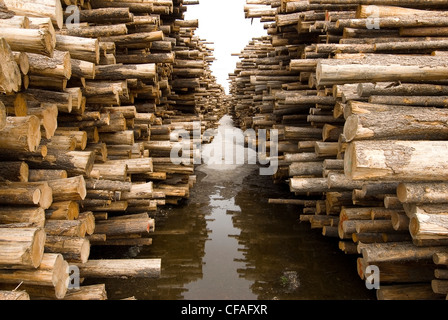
79,103
358,124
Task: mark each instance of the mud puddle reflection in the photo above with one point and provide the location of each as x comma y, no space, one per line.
227,242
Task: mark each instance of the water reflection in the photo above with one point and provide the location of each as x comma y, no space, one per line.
227,242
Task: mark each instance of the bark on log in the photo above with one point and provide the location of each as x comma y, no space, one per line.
62,210
91,292
21,248
69,228
52,272
21,134
73,249
126,226
10,78
436,192
14,171
40,41
373,122
73,188
132,268
35,216
398,251
14,295
370,69
396,160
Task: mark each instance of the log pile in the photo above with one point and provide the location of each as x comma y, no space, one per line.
356,91
88,115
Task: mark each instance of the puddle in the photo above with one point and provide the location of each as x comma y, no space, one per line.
227,242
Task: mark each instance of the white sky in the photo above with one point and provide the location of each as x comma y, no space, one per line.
223,23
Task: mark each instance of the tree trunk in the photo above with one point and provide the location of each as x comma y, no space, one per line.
21,248
10,78
69,228
58,66
396,160
62,210
52,272
436,192
80,48
398,251
73,188
410,123
378,68
14,171
92,292
40,41
33,215
145,72
14,295
21,134
73,249
123,227
108,268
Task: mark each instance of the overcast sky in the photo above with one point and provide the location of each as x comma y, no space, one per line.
223,23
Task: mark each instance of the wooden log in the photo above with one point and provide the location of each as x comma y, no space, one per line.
73,188
35,175
21,248
407,292
90,31
52,272
110,172
73,249
122,227
421,101
368,69
440,258
88,218
440,286
392,160
10,78
92,184
404,89
138,191
14,295
74,162
39,41
27,193
428,223
59,65
38,8
62,210
398,251
63,100
308,185
14,171
145,72
91,292
33,215
371,122
139,40
47,113
106,14
305,169
21,134
69,228
80,48
422,192
131,268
